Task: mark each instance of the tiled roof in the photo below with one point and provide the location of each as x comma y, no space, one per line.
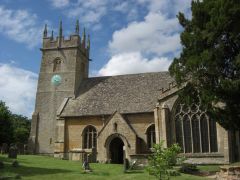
131,93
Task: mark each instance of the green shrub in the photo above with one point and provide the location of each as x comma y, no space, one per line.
162,160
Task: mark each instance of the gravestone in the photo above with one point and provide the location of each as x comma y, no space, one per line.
86,166
4,148
25,149
12,152
15,163
20,147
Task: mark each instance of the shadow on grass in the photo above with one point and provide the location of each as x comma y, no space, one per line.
97,173
134,172
6,159
31,171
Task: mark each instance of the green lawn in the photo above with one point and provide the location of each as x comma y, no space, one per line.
40,167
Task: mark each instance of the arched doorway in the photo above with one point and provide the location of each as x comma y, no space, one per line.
116,151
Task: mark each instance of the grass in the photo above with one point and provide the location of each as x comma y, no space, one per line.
41,167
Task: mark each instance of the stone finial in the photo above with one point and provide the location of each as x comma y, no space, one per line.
45,31
52,36
60,29
88,42
84,37
60,35
77,27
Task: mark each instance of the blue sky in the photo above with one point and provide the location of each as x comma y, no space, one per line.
127,36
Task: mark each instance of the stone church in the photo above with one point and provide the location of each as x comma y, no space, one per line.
115,117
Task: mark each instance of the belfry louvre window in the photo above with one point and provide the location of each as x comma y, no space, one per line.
89,137
57,64
151,137
195,131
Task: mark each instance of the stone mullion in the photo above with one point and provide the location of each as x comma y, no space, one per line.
87,138
200,132
209,143
190,119
183,138
92,138
157,116
95,139
151,133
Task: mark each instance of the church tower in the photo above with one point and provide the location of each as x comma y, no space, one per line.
64,64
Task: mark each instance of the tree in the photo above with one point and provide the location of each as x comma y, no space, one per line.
162,160
210,59
13,128
5,124
21,128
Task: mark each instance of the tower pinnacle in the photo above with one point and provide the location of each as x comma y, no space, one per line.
60,35
84,38
52,35
77,27
45,31
60,30
88,42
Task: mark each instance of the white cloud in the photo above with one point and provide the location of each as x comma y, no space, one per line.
156,34
130,63
20,26
60,3
18,89
122,7
167,7
90,11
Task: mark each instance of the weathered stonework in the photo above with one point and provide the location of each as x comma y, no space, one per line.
72,66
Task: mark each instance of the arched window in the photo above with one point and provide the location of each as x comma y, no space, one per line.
195,131
151,137
56,64
89,137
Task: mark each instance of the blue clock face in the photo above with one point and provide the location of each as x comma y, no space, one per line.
56,80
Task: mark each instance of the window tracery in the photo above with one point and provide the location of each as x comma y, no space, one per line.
195,131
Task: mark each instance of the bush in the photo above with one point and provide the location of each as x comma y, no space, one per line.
162,160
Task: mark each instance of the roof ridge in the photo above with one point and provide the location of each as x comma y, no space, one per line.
129,74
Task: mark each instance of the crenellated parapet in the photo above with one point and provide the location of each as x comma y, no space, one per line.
60,42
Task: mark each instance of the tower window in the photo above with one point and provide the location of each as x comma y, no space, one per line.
56,64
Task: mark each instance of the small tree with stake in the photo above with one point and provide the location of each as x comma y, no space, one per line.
162,160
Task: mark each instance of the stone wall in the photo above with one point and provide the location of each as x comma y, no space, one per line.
129,127
74,129
140,123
